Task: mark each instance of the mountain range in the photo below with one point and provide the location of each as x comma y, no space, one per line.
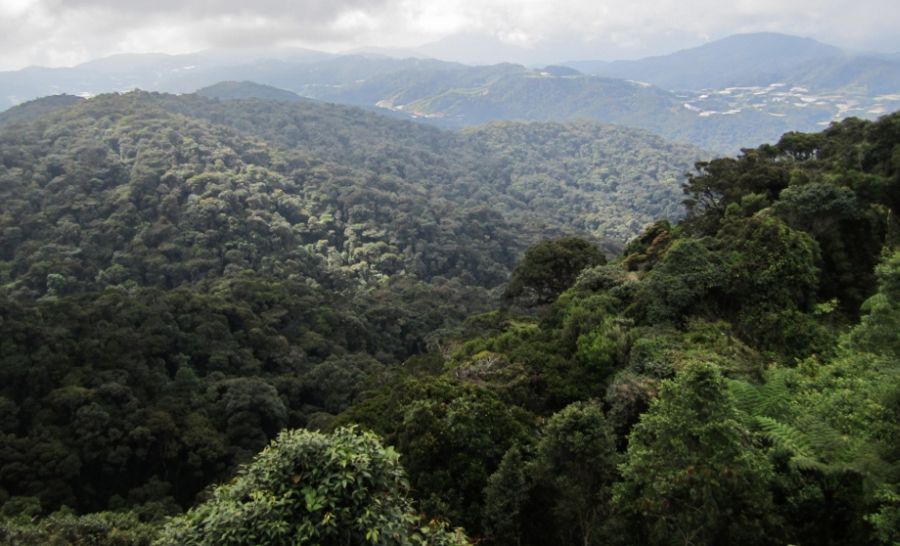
758,60
722,96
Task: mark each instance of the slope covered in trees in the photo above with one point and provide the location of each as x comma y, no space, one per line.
615,180
247,90
745,400
36,108
182,279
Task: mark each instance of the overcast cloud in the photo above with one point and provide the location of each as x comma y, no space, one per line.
66,32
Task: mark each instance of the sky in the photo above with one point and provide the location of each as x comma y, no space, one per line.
67,32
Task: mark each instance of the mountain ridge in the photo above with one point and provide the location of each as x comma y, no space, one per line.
756,59
813,92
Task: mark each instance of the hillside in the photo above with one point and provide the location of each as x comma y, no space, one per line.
349,194
247,90
36,108
206,272
721,361
183,277
184,280
622,179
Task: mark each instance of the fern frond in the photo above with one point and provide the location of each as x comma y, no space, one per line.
770,399
785,436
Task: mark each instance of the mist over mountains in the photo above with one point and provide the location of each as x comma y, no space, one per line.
725,95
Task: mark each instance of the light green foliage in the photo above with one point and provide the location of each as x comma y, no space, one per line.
600,347
311,488
879,327
692,474
66,529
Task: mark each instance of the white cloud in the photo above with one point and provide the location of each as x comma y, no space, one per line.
61,32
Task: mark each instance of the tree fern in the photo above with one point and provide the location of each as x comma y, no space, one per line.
793,440
771,398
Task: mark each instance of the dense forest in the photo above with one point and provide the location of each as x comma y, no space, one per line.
367,331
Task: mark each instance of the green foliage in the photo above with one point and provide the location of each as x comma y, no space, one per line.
577,457
550,267
181,279
452,435
311,488
65,529
832,430
680,284
505,496
546,179
692,474
838,186
877,331
756,272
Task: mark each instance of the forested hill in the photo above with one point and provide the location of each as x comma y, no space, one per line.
160,190
730,379
247,90
182,279
626,177
34,109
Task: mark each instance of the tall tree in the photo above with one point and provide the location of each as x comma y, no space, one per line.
577,456
692,475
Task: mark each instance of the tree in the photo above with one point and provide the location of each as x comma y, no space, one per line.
310,488
577,456
691,474
504,497
877,331
680,284
550,267
452,441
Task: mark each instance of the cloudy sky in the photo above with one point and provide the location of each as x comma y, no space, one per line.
66,32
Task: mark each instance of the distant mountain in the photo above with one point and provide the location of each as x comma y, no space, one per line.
480,48
743,108
453,95
154,72
34,109
757,59
248,90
